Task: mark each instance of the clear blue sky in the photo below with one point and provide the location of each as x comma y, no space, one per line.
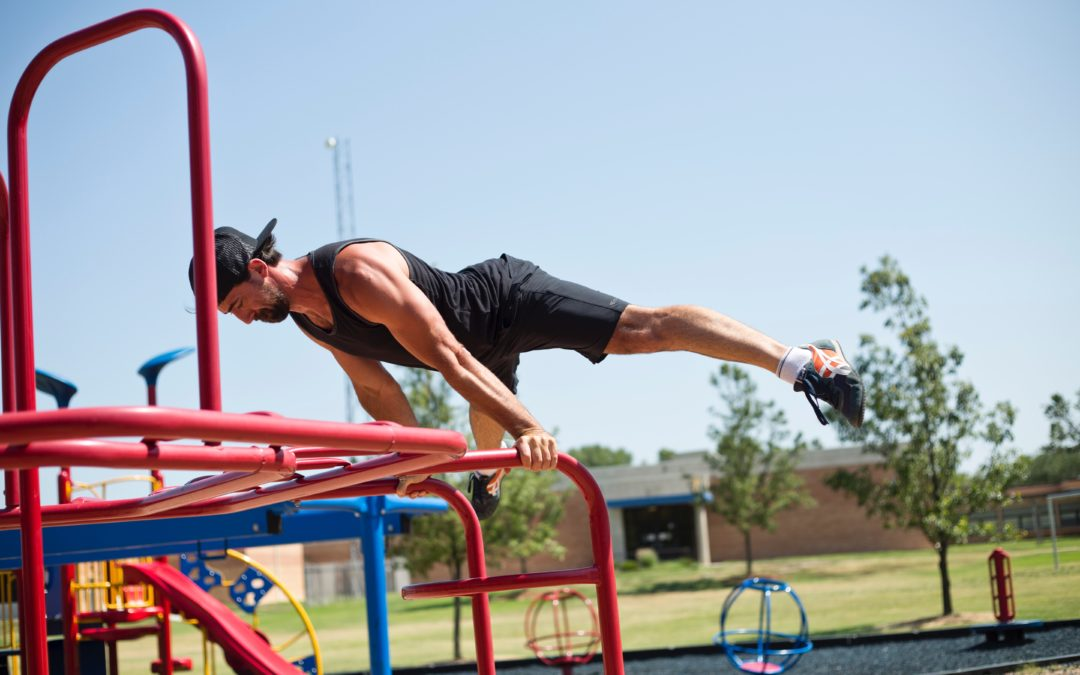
745,157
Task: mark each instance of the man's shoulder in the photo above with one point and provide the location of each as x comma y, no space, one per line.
363,258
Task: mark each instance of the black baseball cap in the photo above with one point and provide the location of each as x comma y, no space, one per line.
234,250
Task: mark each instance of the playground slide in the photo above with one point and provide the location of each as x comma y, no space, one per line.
246,652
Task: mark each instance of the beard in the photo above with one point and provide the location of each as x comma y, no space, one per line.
278,309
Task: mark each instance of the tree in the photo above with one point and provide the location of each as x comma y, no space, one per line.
666,454
526,521
923,422
756,466
1060,459
596,455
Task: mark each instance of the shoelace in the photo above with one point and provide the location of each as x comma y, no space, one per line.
811,396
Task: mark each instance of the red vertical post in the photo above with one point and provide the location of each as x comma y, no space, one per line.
7,338
165,637
68,608
607,600
165,625
1001,590
477,564
17,247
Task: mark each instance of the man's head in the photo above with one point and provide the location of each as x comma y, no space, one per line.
243,284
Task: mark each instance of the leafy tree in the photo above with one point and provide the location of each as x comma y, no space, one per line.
665,454
1060,459
526,521
595,455
755,462
1064,430
923,422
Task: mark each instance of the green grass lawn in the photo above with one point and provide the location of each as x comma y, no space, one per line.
677,604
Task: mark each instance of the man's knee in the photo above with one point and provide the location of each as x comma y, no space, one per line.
640,330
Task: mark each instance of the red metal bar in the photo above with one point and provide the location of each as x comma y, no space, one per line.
300,487
7,337
201,202
158,422
509,582
67,591
94,511
165,637
133,455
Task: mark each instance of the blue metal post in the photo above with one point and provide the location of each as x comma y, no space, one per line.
373,546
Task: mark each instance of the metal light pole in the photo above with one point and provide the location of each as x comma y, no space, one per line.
346,226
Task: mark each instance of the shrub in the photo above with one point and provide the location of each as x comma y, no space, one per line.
646,557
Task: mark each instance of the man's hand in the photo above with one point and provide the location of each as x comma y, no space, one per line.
537,450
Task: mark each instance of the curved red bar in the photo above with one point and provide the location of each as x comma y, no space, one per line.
17,245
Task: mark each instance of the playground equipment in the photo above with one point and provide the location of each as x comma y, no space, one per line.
247,590
1001,595
564,646
763,649
264,459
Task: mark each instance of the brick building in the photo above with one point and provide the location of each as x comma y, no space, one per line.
664,507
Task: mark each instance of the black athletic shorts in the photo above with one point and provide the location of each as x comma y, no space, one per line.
550,313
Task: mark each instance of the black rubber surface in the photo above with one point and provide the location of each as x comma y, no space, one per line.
958,650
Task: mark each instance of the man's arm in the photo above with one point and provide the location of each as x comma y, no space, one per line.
374,282
379,393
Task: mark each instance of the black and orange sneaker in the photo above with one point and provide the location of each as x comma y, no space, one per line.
483,500
829,377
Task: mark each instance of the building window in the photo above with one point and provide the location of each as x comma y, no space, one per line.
667,529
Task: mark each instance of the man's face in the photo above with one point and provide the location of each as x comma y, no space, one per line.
256,299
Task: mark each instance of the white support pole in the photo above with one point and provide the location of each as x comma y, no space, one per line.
1053,519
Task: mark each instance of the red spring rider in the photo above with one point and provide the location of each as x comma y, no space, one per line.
563,646
1001,589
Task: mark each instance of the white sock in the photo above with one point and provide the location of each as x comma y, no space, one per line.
792,363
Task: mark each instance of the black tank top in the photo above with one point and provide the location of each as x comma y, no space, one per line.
476,303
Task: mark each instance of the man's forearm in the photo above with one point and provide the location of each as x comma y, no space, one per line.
489,395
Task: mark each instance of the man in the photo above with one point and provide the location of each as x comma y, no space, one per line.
369,302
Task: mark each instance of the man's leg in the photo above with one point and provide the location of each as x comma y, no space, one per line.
647,330
487,433
484,485
818,368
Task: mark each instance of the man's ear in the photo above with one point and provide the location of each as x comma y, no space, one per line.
258,267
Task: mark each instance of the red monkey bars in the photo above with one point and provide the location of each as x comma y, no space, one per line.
254,476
